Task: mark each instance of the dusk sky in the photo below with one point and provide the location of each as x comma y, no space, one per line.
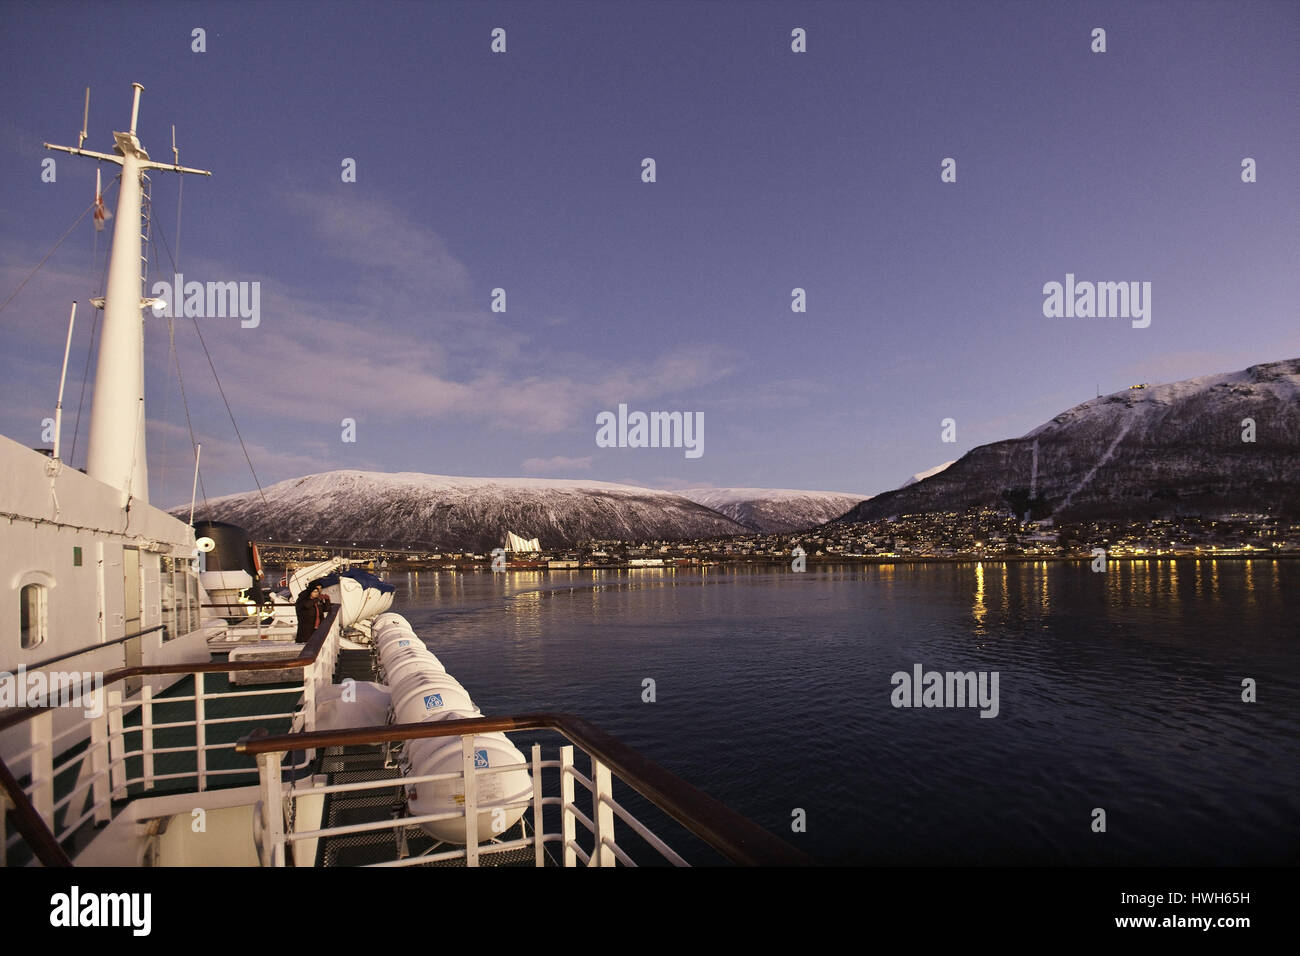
775,170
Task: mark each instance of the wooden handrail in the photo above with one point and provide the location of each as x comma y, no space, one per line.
731,834
30,823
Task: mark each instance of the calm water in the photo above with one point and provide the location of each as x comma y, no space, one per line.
1119,690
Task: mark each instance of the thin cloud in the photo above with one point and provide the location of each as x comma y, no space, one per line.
315,359
379,237
557,465
221,463
310,368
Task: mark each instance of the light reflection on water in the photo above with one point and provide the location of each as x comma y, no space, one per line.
1120,689
980,611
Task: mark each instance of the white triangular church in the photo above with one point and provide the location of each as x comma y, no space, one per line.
516,543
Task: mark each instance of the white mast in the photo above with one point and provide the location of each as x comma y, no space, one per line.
116,450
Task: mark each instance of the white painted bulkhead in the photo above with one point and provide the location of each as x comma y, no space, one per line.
74,538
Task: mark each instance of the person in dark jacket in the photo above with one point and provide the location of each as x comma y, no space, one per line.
310,611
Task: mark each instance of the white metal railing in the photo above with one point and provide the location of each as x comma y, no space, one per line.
277,829
250,629
102,769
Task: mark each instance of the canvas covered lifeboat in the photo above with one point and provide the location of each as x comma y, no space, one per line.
359,595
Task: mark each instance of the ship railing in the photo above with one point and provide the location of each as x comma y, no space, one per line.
46,822
730,834
250,625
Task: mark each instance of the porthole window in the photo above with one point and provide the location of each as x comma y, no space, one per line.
33,622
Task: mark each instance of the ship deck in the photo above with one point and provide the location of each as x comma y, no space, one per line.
151,759
175,767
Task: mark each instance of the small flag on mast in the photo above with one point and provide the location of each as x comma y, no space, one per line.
101,213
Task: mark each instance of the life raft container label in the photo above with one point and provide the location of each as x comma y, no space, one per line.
491,789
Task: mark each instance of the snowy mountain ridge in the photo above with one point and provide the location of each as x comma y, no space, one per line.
775,510
458,513
928,473
1214,444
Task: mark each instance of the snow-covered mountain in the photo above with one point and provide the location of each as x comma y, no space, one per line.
1180,448
461,513
928,473
775,510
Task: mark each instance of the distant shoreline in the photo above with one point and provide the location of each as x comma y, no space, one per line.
485,566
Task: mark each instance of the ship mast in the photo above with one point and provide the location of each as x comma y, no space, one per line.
116,450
